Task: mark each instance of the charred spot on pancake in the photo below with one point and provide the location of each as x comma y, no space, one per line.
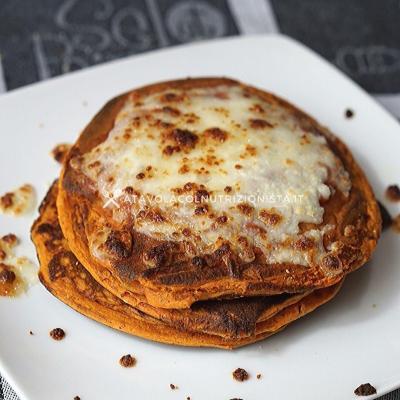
228,189
222,219
186,232
59,264
94,164
246,249
393,193
127,361
257,108
3,255
347,254
270,217
151,215
57,334
189,186
161,124
222,95
54,231
245,209
171,111
140,175
171,97
366,389
257,123
217,134
201,210
199,262
331,262
184,138
184,169
238,166
250,151
304,243
129,190
255,229
169,150
385,216
119,244
240,374
201,195
223,250
158,255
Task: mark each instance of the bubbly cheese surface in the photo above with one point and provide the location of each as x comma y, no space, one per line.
219,164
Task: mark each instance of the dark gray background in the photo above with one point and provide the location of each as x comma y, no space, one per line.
360,36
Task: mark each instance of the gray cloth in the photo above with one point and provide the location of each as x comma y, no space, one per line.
54,37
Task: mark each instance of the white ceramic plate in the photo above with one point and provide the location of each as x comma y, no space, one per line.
352,340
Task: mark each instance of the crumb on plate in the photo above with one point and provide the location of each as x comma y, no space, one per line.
57,334
240,374
366,389
59,153
127,361
19,201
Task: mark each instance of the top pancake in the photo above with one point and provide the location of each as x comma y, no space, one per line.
208,188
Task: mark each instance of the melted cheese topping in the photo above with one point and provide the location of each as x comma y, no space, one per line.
24,270
20,201
214,165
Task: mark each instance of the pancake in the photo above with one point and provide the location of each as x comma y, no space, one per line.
205,138
65,277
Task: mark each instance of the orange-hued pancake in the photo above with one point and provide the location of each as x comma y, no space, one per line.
206,138
234,322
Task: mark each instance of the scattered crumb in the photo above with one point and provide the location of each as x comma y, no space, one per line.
386,217
172,386
258,376
10,239
77,398
396,224
59,153
236,398
349,113
57,334
127,361
7,280
17,274
31,333
188,398
18,202
393,193
240,374
366,389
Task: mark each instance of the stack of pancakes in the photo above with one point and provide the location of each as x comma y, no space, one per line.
203,212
